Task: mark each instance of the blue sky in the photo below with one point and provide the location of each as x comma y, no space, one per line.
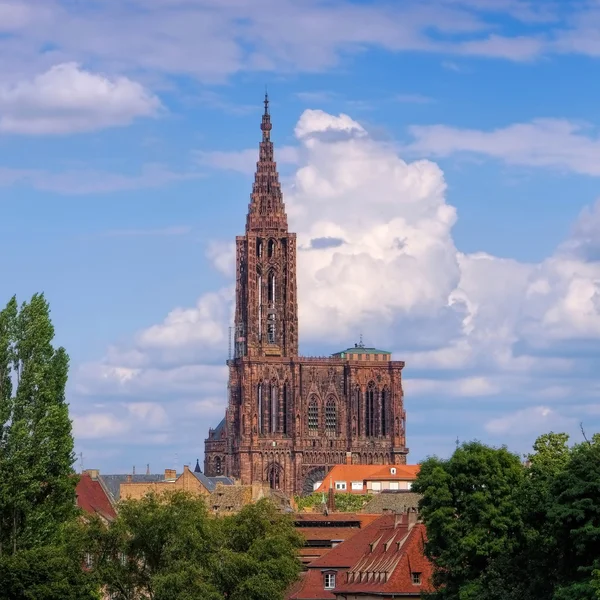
452,145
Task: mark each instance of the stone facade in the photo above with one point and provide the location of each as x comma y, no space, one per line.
290,418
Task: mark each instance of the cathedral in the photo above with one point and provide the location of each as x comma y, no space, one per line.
289,418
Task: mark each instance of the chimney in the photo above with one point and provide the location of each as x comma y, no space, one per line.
170,474
399,520
413,517
348,458
331,499
93,473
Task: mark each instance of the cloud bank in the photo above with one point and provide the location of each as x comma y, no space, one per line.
492,338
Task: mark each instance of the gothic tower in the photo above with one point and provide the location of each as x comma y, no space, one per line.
266,314
289,418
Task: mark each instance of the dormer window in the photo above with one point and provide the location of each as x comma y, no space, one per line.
416,578
393,470
329,581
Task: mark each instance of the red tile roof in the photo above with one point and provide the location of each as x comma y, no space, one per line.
92,498
349,473
379,559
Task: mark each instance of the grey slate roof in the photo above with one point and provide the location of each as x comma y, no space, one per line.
112,483
210,483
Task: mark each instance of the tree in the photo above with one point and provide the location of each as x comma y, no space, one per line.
472,517
37,486
168,547
575,517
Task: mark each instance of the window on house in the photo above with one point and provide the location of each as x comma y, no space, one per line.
416,578
357,485
329,581
376,485
340,485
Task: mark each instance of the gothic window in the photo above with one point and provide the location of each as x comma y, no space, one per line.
271,287
271,329
384,409
259,289
274,407
274,476
330,416
218,468
259,248
370,410
313,415
358,410
260,408
284,409
271,248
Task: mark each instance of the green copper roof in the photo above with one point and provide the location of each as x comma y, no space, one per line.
360,350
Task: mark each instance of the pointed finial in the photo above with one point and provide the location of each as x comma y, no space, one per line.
266,101
197,469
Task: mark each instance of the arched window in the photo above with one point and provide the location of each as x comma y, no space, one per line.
259,289
313,415
330,416
358,409
260,408
259,248
274,476
218,467
284,410
370,410
271,248
274,407
384,409
271,287
271,308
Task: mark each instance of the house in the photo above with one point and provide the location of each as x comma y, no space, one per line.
368,479
323,532
383,560
93,498
230,499
194,482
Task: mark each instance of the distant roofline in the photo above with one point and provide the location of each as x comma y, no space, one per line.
361,350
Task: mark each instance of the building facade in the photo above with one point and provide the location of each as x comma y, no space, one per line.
290,418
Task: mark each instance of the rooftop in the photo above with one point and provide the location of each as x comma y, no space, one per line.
93,499
358,349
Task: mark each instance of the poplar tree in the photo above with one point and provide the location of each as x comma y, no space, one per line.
37,482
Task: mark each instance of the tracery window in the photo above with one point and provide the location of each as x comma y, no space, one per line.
274,407
313,415
370,410
260,408
218,467
384,409
330,416
271,248
284,409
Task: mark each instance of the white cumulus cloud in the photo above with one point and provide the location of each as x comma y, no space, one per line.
376,255
69,99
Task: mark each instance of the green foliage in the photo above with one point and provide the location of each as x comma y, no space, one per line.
37,487
343,502
501,531
170,548
469,507
45,573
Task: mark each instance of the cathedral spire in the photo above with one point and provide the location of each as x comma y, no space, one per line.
266,209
